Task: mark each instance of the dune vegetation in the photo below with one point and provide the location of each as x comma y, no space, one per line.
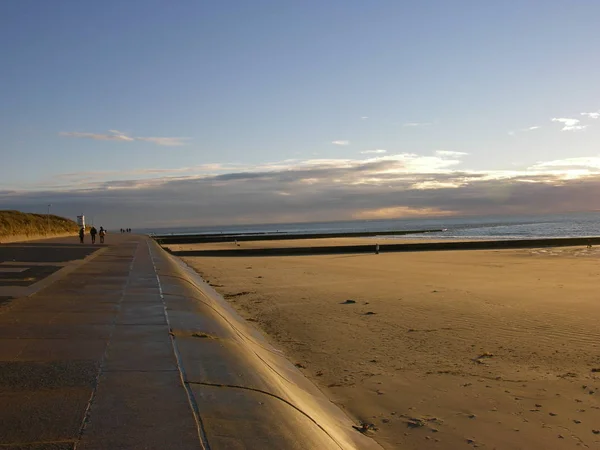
16,223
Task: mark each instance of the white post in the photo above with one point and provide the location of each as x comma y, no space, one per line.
48,220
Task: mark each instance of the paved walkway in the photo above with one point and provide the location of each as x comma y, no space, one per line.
88,362
24,266
130,349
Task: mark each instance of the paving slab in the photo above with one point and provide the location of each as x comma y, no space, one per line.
41,416
43,375
140,410
140,354
55,349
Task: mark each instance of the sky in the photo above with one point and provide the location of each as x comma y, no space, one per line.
149,113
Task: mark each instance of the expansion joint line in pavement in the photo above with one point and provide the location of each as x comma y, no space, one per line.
86,415
188,391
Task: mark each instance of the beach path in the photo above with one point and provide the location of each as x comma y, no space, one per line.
118,348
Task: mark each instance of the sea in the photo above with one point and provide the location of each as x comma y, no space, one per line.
471,227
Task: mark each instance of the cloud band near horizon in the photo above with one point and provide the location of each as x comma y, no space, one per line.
401,185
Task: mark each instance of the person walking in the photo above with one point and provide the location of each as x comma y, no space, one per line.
102,234
93,233
81,234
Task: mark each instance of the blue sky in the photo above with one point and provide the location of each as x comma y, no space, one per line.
107,103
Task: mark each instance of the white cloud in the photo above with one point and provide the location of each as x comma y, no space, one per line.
116,135
341,142
364,117
524,130
443,153
100,137
588,163
566,122
416,124
570,124
166,141
376,151
592,115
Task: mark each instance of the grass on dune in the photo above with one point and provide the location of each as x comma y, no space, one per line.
16,223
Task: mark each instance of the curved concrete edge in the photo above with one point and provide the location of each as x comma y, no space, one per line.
243,390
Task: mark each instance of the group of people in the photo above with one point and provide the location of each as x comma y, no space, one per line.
93,233
125,230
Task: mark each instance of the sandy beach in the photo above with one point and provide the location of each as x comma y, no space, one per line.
438,350
325,242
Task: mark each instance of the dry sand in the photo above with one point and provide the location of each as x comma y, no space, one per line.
323,242
442,350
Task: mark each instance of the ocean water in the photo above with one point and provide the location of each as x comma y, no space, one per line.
484,227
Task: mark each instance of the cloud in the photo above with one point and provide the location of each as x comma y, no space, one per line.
524,130
587,164
416,124
443,153
100,137
364,117
374,186
341,142
570,124
592,115
116,135
373,152
166,141
399,212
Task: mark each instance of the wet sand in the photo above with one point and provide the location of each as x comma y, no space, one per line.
487,349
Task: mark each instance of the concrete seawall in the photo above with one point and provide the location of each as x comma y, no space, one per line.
246,392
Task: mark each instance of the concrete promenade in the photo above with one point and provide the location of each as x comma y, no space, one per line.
129,349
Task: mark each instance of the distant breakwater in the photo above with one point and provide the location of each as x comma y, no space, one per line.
385,248
240,237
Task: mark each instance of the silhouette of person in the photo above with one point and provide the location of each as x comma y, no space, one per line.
81,234
102,234
93,233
